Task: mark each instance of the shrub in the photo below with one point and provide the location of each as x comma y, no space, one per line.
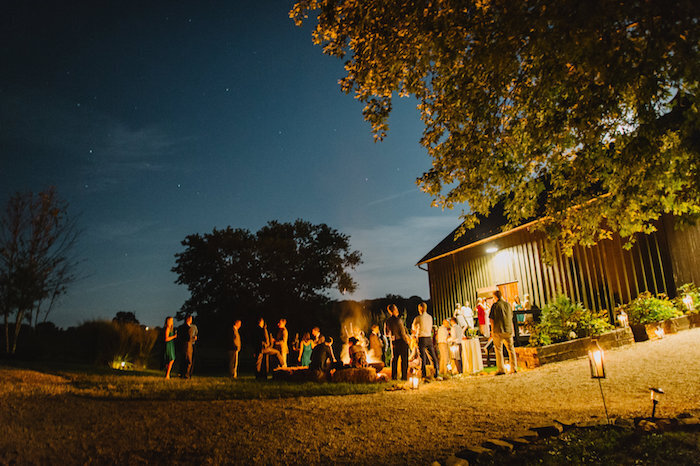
647,308
564,320
111,343
688,300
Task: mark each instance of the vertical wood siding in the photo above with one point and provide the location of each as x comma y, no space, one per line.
600,277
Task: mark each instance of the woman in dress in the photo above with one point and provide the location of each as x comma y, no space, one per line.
305,348
170,336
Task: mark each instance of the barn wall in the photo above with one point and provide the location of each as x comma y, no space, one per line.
600,277
684,245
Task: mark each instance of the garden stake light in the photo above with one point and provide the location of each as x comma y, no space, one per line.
596,360
656,394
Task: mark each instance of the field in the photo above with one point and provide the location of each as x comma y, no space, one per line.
64,415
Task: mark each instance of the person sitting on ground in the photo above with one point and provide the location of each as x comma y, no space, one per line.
358,358
321,356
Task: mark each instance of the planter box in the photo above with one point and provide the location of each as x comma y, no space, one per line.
694,320
645,332
534,357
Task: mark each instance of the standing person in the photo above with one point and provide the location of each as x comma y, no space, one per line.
305,348
468,314
186,335
376,346
263,346
455,341
443,334
399,343
502,331
281,340
234,349
517,311
170,336
459,315
424,324
482,318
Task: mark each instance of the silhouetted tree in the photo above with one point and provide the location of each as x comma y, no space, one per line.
283,269
124,317
36,238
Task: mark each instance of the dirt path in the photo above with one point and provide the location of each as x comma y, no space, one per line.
405,427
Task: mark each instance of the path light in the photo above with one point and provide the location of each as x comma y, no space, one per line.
596,360
413,379
656,394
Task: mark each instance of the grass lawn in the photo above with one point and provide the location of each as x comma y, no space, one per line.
106,383
606,445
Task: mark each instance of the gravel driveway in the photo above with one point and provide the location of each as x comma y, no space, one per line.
399,427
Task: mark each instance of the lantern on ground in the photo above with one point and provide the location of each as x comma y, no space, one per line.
596,361
413,379
656,394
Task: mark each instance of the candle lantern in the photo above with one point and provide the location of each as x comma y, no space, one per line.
596,361
413,379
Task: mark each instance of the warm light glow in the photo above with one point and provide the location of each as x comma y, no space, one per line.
123,364
688,301
491,249
147,329
506,366
656,393
659,332
413,382
596,360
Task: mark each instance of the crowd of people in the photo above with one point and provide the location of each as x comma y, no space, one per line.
424,348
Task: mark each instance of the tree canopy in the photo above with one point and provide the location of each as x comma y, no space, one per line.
582,113
281,270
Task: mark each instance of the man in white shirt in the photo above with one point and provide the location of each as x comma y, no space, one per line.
424,324
468,314
459,316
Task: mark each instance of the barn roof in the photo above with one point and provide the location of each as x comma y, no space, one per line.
488,228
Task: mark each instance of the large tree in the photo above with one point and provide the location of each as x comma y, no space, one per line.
36,264
538,106
283,269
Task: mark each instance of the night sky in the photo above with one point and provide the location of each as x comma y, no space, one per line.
156,120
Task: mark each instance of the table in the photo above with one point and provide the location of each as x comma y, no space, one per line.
472,360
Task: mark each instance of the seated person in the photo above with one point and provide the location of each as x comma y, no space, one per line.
321,356
358,358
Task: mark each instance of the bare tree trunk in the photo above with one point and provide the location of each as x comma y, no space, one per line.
18,327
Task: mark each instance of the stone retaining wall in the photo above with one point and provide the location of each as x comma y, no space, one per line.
533,357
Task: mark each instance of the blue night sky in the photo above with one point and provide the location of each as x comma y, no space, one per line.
156,120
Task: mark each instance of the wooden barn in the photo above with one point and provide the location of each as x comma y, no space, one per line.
600,277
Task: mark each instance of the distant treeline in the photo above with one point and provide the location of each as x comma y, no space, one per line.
125,340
